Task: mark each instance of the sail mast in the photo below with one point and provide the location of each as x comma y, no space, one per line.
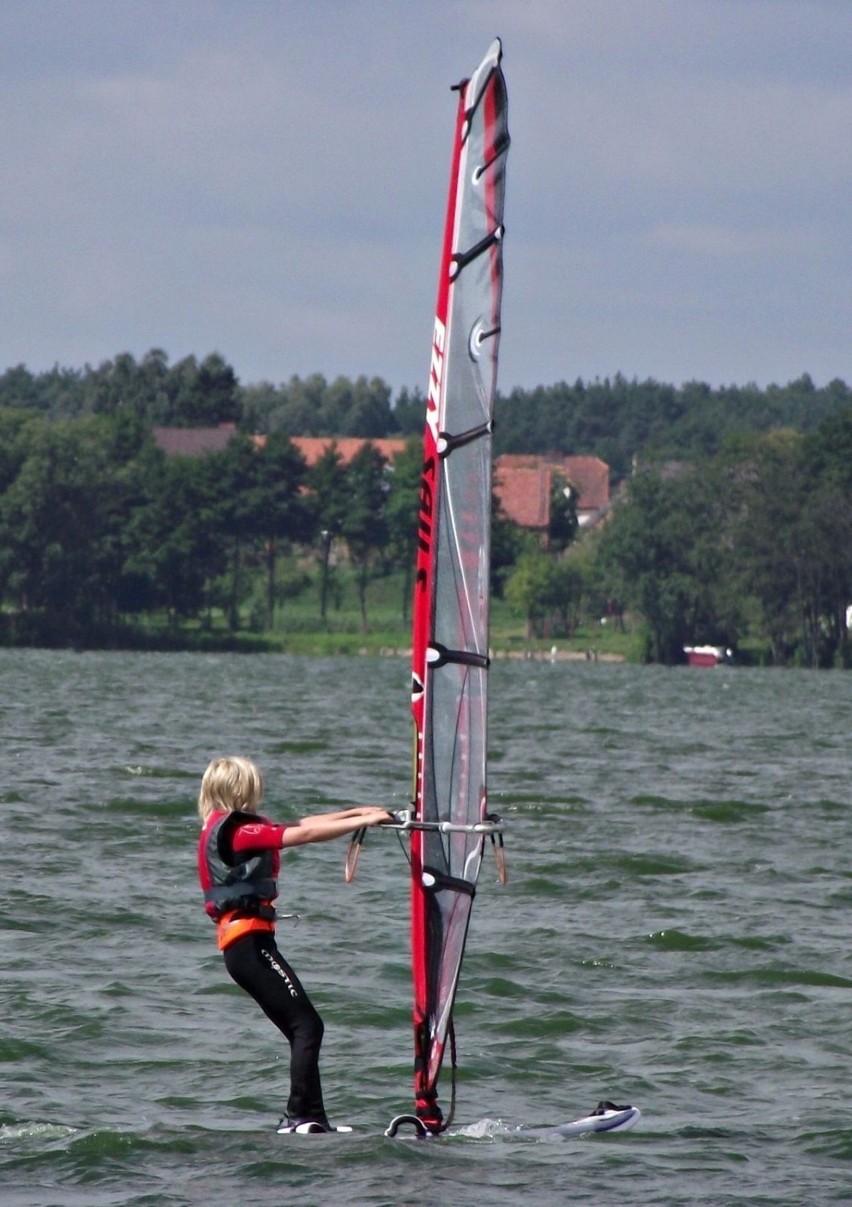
451,603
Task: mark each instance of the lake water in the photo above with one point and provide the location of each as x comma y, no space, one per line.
675,933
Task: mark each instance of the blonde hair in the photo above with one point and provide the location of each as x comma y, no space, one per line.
230,783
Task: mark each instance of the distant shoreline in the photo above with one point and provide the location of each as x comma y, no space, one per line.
337,647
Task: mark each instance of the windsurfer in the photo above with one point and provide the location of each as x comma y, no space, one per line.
238,865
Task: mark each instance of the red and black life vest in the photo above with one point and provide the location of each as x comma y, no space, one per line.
231,883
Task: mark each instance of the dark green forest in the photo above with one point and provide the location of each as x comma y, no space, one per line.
731,521
614,419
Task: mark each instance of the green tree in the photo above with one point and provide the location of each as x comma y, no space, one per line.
563,525
19,390
663,552
409,412
285,517
793,539
827,457
528,586
61,523
205,394
176,550
237,510
364,524
329,504
259,404
401,511
369,413
114,384
14,422
300,407
564,594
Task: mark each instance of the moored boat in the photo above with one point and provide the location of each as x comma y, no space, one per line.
707,655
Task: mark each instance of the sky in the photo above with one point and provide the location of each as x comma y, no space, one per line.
267,179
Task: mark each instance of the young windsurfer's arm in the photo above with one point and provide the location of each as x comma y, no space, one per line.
320,827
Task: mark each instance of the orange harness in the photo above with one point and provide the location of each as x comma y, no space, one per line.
231,927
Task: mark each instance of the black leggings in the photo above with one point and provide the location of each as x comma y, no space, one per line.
257,966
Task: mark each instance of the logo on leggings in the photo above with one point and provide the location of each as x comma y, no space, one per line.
274,963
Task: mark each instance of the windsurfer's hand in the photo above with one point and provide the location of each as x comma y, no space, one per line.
374,815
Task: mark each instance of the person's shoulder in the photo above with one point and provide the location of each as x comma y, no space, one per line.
253,832
213,819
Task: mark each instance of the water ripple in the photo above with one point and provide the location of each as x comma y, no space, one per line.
674,931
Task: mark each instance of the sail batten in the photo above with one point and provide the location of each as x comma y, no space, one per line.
451,599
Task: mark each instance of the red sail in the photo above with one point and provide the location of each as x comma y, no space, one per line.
451,595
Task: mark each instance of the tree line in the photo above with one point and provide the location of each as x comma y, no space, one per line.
199,393
733,512
752,544
98,527
614,418
757,539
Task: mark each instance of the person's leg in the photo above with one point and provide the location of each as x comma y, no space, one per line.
258,967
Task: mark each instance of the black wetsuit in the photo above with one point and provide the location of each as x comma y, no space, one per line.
238,865
257,966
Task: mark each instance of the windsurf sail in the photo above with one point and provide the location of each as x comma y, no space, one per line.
449,821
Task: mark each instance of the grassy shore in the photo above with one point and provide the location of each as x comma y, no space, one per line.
298,628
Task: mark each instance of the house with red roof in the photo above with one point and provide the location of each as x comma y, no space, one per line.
524,484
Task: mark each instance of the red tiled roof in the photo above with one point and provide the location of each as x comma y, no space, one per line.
195,441
313,447
590,478
523,484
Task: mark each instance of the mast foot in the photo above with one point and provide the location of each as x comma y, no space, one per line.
421,1131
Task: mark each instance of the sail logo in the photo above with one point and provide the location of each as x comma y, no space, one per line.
276,967
424,520
436,377
428,476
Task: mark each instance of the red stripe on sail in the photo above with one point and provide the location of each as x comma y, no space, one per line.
423,616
